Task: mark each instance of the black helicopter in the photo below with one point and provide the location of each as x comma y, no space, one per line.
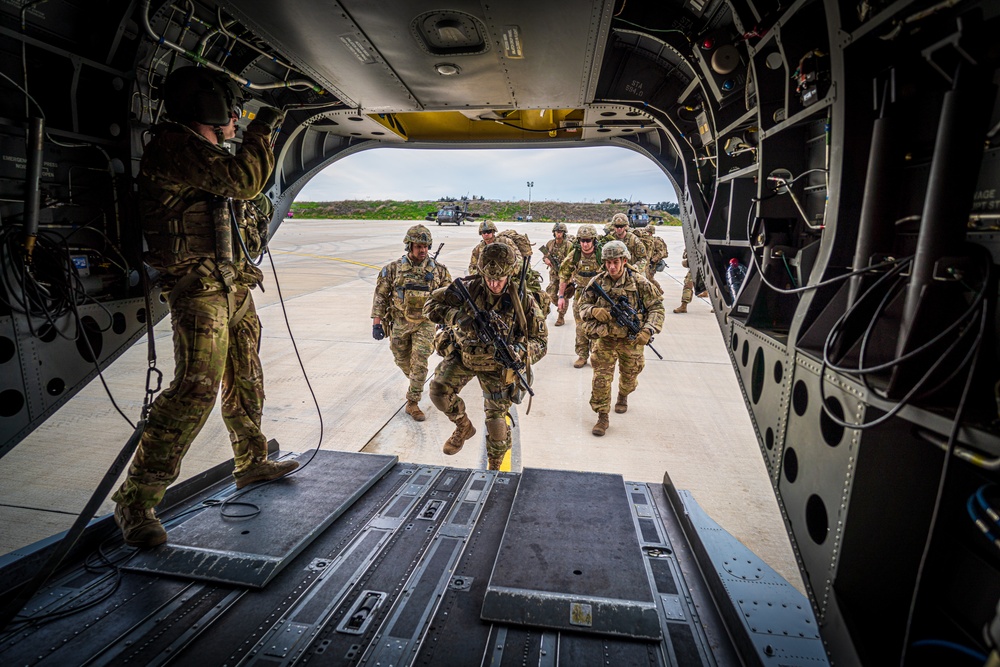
452,212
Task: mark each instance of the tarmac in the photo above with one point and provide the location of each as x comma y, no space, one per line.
687,418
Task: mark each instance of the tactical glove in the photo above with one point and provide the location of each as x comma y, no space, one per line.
601,314
271,117
660,265
643,337
378,333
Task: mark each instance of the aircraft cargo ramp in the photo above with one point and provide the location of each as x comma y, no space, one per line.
396,564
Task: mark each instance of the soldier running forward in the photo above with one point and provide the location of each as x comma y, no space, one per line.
517,319
554,252
636,248
192,193
489,233
398,311
582,263
612,343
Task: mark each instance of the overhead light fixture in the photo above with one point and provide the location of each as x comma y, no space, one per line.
447,69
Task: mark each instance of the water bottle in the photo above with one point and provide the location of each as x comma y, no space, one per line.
734,277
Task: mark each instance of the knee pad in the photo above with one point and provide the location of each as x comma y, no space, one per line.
496,429
440,396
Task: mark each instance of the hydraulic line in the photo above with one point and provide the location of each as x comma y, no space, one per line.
32,192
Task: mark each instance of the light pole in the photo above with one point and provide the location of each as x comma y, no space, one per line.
531,184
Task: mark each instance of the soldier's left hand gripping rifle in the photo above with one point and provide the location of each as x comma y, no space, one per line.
487,332
623,313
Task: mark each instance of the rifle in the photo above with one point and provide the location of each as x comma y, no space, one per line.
437,252
484,323
624,314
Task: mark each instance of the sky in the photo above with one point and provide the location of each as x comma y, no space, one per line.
579,174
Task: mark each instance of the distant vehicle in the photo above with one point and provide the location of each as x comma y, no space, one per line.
638,215
452,212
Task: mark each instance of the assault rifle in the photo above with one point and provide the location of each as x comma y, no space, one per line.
483,321
437,252
623,313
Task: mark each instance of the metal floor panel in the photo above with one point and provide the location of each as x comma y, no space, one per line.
570,559
294,511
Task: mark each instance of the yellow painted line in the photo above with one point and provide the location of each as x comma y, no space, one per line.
335,259
505,465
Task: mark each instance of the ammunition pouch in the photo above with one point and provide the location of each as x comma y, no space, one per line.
479,358
410,301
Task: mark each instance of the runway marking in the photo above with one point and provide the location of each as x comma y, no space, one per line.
335,259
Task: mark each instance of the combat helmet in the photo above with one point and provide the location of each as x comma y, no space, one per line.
498,260
201,95
418,234
614,250
586,232
559,227
619,219
487,226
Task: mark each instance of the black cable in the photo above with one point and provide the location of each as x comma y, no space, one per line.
230,501
949,451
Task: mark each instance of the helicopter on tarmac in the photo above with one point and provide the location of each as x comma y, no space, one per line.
452,212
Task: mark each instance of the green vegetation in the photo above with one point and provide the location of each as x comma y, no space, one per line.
541,211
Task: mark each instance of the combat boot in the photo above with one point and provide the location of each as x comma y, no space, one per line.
702,294
601,427
463,431
414,411
561,320
621,406
580,362
263,471
683,308
494,462
140,527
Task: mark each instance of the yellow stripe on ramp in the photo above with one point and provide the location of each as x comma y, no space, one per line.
333,259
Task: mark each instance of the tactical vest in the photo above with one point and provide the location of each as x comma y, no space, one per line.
477,356
411,288
586,266
179,229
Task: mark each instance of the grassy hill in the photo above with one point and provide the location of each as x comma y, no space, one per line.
541,211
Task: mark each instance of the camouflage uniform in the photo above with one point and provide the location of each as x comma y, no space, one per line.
400,293
474,259
640,258
578,269
467,357
533,279
558,250
216,332
611,343
656,249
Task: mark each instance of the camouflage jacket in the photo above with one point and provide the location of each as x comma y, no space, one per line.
635,246
559,250
403,287
579,268
181,176
641,294
446,307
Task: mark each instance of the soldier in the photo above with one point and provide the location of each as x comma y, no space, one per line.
466,356
189,186
398,310
656,251
688,289
611,342
636,248
582,263
533,279
488,231
554,252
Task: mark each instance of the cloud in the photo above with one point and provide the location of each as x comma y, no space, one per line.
563,174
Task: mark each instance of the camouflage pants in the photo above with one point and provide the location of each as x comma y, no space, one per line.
207,355
630,359
552,289
410,348
450,376
583,344
688,292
